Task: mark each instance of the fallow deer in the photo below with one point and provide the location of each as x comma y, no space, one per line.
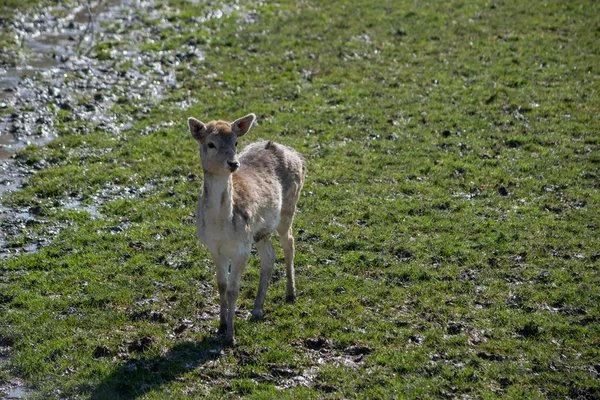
243,200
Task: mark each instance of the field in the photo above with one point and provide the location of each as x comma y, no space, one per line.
447,237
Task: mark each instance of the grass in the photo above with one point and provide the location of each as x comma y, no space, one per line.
447,236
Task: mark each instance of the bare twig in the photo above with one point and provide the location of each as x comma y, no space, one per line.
89,27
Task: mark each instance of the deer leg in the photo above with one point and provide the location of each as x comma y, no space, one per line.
222,265
288,250
233,290
287,243
267,259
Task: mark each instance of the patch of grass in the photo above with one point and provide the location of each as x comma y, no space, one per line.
447,235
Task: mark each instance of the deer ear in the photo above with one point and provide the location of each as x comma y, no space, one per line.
241,126
197,129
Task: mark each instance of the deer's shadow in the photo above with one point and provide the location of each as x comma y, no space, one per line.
139,375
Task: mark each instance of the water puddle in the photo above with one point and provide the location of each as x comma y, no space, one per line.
13,388
76,205
16,393
6,141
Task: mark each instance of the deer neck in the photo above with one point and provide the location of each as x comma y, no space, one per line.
218,195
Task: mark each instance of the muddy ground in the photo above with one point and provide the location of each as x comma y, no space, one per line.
58,68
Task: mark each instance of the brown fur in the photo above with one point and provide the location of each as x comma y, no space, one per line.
243,201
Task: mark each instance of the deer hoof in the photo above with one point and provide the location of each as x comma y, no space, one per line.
257,315
290,298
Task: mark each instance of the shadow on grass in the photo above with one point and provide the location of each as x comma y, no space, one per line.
140,375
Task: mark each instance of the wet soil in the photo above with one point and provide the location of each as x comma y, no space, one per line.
57,68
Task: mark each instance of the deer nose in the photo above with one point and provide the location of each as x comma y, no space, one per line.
233,165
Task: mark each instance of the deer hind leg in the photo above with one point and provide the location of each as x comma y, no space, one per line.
287,243
267,259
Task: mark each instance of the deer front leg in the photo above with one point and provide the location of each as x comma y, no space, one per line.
266,253
233,290
222,265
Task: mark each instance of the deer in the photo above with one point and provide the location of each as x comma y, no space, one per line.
243,200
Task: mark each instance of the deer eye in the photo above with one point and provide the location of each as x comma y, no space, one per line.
235,144
211,146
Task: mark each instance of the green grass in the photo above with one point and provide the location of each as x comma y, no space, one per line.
448,225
